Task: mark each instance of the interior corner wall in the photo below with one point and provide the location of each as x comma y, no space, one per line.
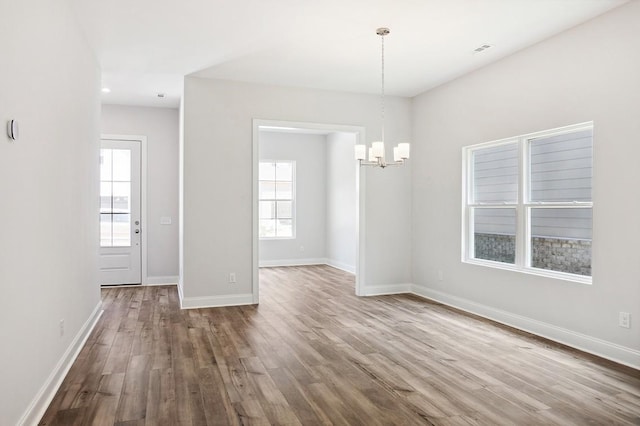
341,232
308,152
587,73
181,198
217,190
161,127
49,189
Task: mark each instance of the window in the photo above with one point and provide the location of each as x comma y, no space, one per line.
528,203
115,197
276,199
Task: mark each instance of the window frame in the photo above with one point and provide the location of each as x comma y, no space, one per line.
523,207
275,199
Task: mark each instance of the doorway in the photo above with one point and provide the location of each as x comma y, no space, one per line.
121,237
267,207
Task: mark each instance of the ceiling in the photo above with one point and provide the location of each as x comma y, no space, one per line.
146,47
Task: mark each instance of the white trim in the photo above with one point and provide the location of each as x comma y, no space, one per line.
602,348
359,131
215,301
255,214
168,280
293,262
180,294
45,395
361,235
564,276
389,289
342,266
143,193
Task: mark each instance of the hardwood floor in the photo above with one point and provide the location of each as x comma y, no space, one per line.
313,353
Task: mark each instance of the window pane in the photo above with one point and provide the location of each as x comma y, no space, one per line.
495,234
284,171
121,230
267,228
267,209
105,230
267,171
121,165
284,228
284,190
495,174
105,197
122,197
561,167
105,164
284,210
561,239
267,190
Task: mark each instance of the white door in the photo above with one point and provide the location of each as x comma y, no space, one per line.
120,228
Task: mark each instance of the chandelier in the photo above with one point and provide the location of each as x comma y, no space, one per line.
376,152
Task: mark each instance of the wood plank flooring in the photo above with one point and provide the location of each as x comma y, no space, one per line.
312,353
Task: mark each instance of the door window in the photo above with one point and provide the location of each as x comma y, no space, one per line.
115,198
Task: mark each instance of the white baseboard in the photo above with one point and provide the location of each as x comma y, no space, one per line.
168,280
45,395
342,266
293,262
381,290
602,348
214,301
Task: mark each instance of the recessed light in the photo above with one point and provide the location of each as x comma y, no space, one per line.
106,90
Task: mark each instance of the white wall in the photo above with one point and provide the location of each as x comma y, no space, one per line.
341,201
218,125
587,73
160,126
49,190
308,151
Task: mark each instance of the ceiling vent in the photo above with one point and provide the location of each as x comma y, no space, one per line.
482,48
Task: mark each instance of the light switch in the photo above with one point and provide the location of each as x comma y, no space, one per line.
165,220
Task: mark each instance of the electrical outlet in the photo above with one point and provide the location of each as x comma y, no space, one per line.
624,320
301,248
232,277
440,276
61,327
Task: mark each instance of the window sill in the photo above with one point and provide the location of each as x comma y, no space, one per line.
580,279
276,238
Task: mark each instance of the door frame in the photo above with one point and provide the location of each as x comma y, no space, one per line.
143,193
360,196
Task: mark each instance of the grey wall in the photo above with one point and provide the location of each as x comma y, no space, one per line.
308,151
160,126
218,124
594,77
325,199
49,190
341,201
